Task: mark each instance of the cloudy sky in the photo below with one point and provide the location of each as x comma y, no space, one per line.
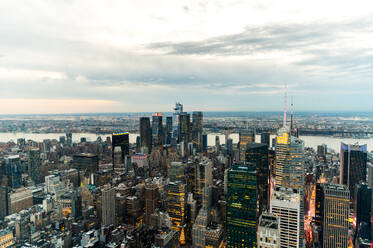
126,56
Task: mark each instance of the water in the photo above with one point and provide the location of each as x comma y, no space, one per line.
310,141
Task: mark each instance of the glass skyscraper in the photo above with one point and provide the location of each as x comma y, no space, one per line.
145,135
241,206
157,129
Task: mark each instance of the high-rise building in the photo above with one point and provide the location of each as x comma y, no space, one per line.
289,169
176,123
229,146
76,204
184,128
268,235
332,213
257,154
13,170
152,198
362,204
241,206
204,142
265,138
108,206
145,135
245,137
176,172
157,129
197,130
34,165
203,178
86,162
286,205
122,140
3,202
176,204
168,130
202,221
353,165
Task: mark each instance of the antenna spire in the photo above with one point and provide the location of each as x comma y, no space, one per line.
292,115
284,121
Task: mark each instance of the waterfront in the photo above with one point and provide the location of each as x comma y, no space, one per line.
310,141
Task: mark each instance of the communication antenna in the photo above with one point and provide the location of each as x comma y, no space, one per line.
284,121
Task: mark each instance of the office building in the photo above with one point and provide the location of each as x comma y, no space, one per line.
286,205
353,165
257,154
289,168
197,130
184,128
241,206
268,235
157,129
34,165
108,206
245,137
176,123
122,140
145,135
203,178
362,204
86,162
13,169
265,138
168,130
152,199
176,204
3,202
332,213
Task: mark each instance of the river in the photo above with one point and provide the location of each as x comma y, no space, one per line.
310,141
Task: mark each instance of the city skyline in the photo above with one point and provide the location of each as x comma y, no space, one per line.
84,57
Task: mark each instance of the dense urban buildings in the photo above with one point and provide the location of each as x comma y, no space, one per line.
175,180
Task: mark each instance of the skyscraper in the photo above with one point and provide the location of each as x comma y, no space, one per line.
34,165
13,171
353,165
176,123
184,127
241,206
332,213
289,169
168,130
245,137
122,140
151,201
286,205
176,204
203,178
145,135
157,129
265,138
3,202
108,206
362,204
197,130
257,154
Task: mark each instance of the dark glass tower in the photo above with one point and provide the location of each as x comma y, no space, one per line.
145,134
362,203
184,128
241,206
265,138
168,130
122,140
197,130
34,165
353,165
157,129
258,154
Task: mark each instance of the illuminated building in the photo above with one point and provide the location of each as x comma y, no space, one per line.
268,235
353,165
145,135
197,130
108,206
257,154
265,138
286,205
122,140
362,204
289,169
332,213
157,129
176,204
184,128
245,137
241,206
34,164
6,238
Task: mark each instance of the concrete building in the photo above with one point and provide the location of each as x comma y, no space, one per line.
19,200
268,234
108,206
